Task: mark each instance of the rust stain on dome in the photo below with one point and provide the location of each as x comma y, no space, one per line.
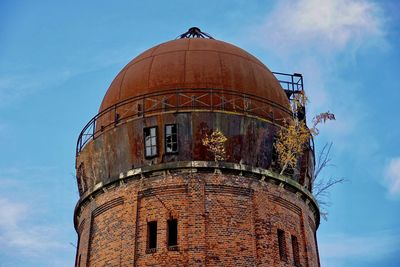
194,63
192,86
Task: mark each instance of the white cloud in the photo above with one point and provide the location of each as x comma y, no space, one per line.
32,230
20,235
392,176
10,213
335,249
322,25
318,39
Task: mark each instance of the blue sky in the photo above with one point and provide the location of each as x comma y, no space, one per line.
57,59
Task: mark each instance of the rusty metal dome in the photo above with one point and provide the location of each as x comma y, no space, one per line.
195,63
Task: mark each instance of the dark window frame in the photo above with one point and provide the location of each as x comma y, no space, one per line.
151,245
296,251
172,242
165,139
151,146
282,245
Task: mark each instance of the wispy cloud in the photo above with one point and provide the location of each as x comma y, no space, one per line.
20,236
31,230
17,86
330,25
21,176
318,39
10,213
337,248
392,176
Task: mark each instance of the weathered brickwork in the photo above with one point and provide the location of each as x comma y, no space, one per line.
153,197
223,220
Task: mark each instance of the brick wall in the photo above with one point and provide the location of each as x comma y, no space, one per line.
223,220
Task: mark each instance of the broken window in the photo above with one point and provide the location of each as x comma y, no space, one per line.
171,138
150,142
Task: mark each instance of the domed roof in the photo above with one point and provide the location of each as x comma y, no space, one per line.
195,63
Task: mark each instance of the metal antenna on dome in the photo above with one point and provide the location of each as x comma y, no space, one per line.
195,32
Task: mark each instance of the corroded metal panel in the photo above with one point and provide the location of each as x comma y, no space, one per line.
198,84
250,142
195,64
224,207
182,100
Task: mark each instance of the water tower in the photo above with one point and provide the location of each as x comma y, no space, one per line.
151,193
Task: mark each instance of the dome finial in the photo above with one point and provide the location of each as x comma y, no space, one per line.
195,32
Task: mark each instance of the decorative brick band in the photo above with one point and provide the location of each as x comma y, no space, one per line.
286,204
165,190
194,166
108,205
225,189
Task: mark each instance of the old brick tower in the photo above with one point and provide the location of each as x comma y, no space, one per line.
151,194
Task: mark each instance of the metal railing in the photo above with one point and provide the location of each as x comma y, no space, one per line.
292,84
185,100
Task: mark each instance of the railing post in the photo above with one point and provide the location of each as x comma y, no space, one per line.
211,100
302,83
115,114
244,105
143,107
138,109
94,127
80,142
292,82
177,100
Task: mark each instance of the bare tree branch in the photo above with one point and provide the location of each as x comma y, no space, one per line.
290,146
323,160
320,186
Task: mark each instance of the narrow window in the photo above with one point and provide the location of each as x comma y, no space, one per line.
295,248
151,236
282,245
172,233
171,139
150,142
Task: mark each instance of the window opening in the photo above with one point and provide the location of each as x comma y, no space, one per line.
282,245
151,236
150,142
171,138
295,248
172,233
